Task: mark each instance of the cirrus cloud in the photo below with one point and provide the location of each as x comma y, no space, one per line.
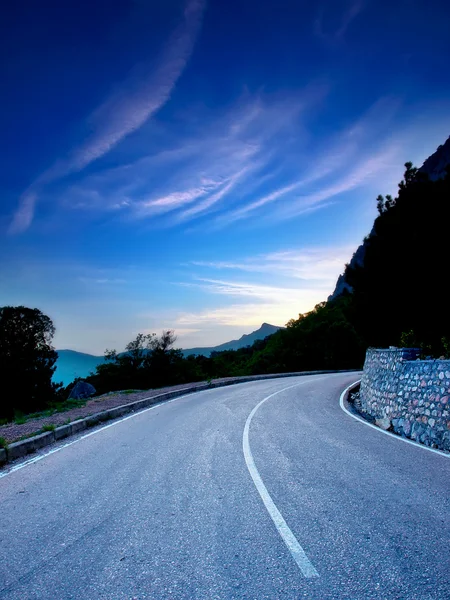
146,90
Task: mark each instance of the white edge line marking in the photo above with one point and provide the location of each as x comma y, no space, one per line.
35,459
39,457
392,435
298,554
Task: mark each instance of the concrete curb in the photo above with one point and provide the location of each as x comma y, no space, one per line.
350,388
343,400
23,448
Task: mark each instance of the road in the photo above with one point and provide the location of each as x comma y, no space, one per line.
165,505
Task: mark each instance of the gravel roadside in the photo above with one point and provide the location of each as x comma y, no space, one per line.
13,432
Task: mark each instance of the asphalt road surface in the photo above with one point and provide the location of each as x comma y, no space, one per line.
262,490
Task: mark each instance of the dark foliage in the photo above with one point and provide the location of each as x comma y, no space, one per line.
321,339
27,360
399,295
148,362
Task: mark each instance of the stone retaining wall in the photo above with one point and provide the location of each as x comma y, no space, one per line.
407,395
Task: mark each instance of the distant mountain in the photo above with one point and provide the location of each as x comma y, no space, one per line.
246,340
72,364
435,167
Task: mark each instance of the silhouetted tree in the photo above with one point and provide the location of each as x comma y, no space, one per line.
148,362
380,204
398,289
389,202
27,360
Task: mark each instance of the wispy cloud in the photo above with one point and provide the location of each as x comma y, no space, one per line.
349,15
365,171
300,278
247,314
144,93
201,207
253,162
242,212
24,215
319,265
174,200
241,315
211,170
101,281
246,290
296,203
126,110
201,171
339,164
350,10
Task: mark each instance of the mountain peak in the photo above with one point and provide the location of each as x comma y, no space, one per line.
247,339
265,330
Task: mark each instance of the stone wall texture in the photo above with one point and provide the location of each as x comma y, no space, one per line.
408,396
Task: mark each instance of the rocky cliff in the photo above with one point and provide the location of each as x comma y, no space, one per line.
435,166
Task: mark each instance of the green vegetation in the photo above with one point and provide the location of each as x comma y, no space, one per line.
148,361
54,407
19,418
3,443
62,406
49,427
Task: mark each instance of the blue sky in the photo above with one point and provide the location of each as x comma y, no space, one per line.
203,165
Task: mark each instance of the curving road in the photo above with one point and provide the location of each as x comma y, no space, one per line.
251,491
